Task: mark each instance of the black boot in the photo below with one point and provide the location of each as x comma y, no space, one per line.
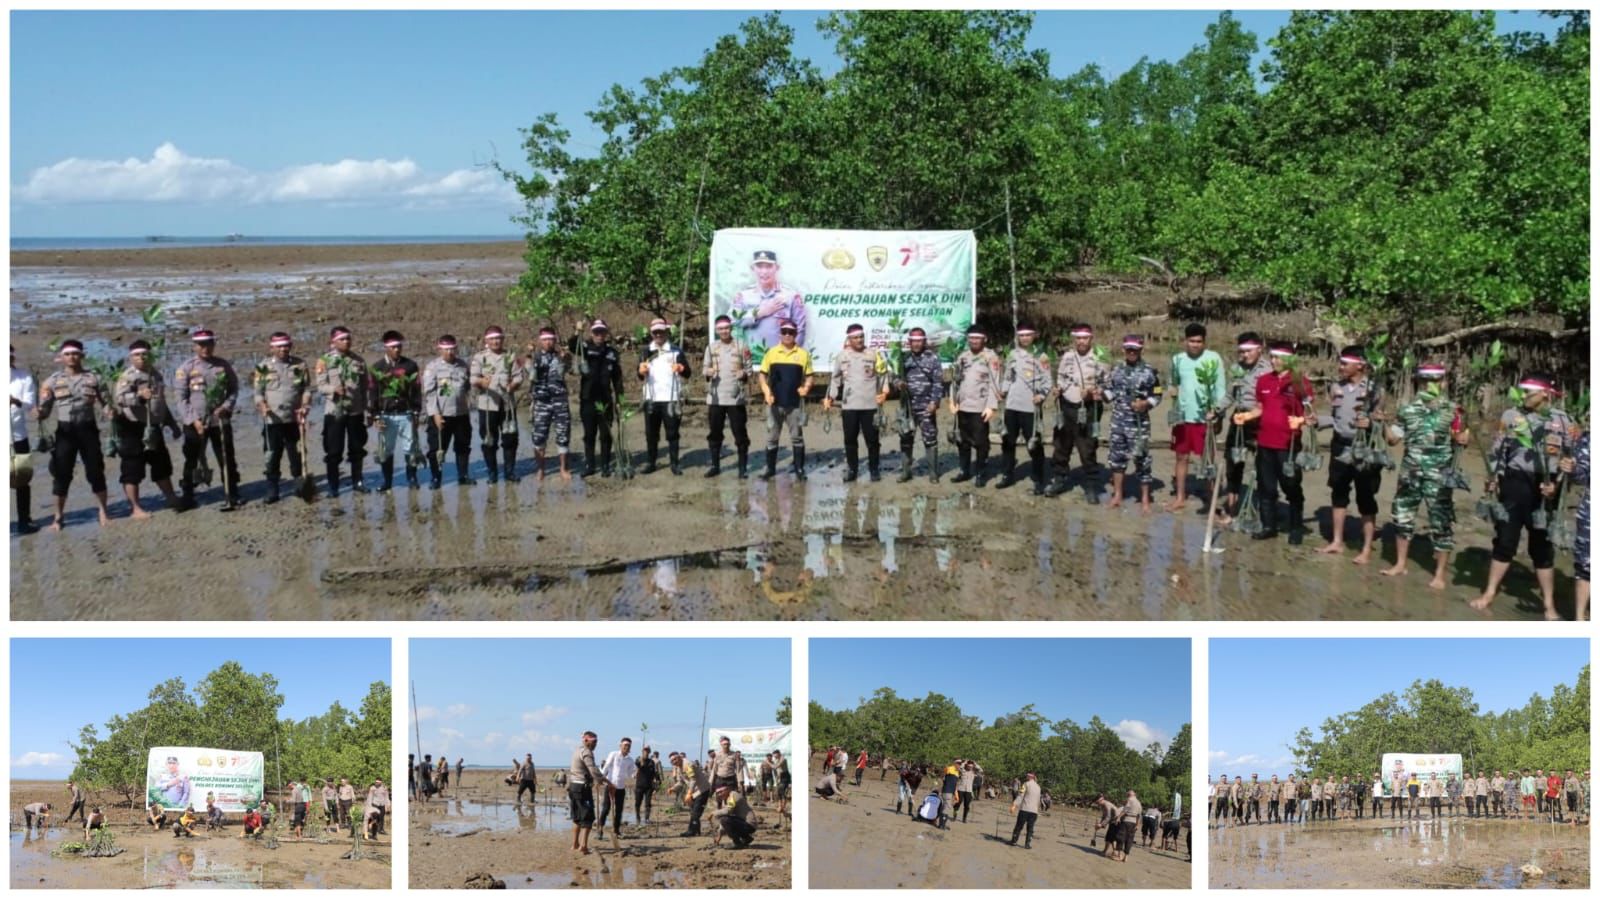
1091,488
905,463
25,510
386,466
272,491
411,477
772,464
333,480
650,462
186,501
1058,485
849,474
1269,522
463,463
492,462
1038,476
672,458
982,465
1008,464
434,473
1297,533
966,466
799,454
356,484
933,465
511,465
872,465
716,460
744,462
589,470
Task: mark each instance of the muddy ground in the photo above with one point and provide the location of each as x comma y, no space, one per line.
1383,854
160,860
480,830
863,844
659,547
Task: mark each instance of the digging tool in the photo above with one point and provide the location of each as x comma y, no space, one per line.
308,485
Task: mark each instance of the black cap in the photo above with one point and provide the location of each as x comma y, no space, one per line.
764,256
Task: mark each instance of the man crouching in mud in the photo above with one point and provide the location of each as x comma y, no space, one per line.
583,777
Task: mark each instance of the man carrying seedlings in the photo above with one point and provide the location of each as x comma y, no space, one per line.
1024,387
1252,364
141,414
71,393
859,388
1201,392
1353,399
1527,452
1428,425
282,386
399,397
550,364
726,367
496,375
445,385
1282,405
347,400
974,397
1080,390
599,390
921,385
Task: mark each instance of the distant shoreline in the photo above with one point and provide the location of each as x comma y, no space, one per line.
171,242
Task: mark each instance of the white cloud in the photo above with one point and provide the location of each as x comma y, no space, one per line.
531,740
1138,734
450,733
1219,759
39,760
542,716
172,176
459,710
426,713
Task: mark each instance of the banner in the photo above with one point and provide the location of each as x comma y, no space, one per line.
178,777
824,281
1423,765
754,742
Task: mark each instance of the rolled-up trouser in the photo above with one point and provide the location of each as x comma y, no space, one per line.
860,423
220,438
1070,437
1126,438
607,807
282,437
77,440
136,459
1519,493
344,437
736,418
1343,475
395,434
552,412
580,804
656,417
790,417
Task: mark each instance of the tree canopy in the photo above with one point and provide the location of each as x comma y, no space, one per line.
1382,166
231,708
1071,760
1430,717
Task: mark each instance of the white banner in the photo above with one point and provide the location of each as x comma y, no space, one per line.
754,742
1423,765
824,281
180,777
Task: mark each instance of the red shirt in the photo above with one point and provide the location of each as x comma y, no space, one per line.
862,762
1279,397
1555,787
252,819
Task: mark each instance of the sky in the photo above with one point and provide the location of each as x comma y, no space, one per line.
1264,691
1062,678
58,686
488,701
377,123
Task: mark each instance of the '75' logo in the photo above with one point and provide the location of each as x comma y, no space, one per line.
919,251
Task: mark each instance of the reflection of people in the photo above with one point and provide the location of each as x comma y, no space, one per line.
760,308
173,785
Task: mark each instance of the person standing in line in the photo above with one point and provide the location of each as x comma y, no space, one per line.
282,386
1081,380
974,398
726,367
1135,389
599,390
662,367
859,387
647,774
1430,424
1025,385
346,385
71,394
1198,406
141,413
1354,400
549,366
397,394
347,801
24,398
446,388
497,375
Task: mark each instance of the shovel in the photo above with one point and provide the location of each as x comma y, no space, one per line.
308,485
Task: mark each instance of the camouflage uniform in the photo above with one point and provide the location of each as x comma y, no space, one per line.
1580,545
921,384
1130,430
1026,378
72,398
975,387
285,386
344,418
1425,423
1518,471
191,383
132,423
550,400
497,409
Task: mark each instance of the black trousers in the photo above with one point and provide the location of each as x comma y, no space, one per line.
696,809
655,416
220,439
974,436
344,436
1019,427
1235,470
1070,437
135,459
456,434
1519,493
1025,820
610,810
1270,477
74,441
858,423
1483,806
1252,810
737,420
1272,810
596,425
1289,806
737,829
966,807
1396,806
1342,476
283,437
643,797
490,421
77,808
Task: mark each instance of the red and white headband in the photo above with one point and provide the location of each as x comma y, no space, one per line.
1082,332
282,341
1028,331
1430,371
1535,384
1352,359
1249,344
493,332
659,324
1281,352
392,344
445,344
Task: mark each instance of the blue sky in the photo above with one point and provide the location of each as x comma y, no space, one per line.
273,123
58,686
1145,701
1264,691
489,700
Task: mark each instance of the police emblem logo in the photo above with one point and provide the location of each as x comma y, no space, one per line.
877,257
838,258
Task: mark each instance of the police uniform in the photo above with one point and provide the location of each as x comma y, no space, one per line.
975,388
71,399
192,383
345,417
398,391
1256,791
599,389
1291,797
1078,420
765,329
857,380
1517,471
1350,400
921,385
1025,380
1425,423
550,407
583,776
284,385
134,424
445,389
736,820
1242,386
497,410
727,397
1130,430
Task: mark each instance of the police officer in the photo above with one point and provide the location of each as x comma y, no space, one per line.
1251,365
762,308
920,385
726,367
347,400
785,381
974,397
599,391
662,366
1025,384
71,394
445,385
398,389
1526,455
1081,383
1135,389
496,375
549,365
206,389
1274,800
1254,793
282,385
859,387
1428,424
1354,399
141,413
1576,467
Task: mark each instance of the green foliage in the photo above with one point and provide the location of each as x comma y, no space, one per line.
785,711
1070,760
1433,718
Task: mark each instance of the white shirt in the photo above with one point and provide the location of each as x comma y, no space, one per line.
660,385
24,389
618,769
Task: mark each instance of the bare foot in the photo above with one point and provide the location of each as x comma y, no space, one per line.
539,476
1224,519
1115,503
105,519
1482,602
1393,572
1173,506
1436,584
1330,549
56,525
139,513
1552,615
1364,558
1144,508
566,475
